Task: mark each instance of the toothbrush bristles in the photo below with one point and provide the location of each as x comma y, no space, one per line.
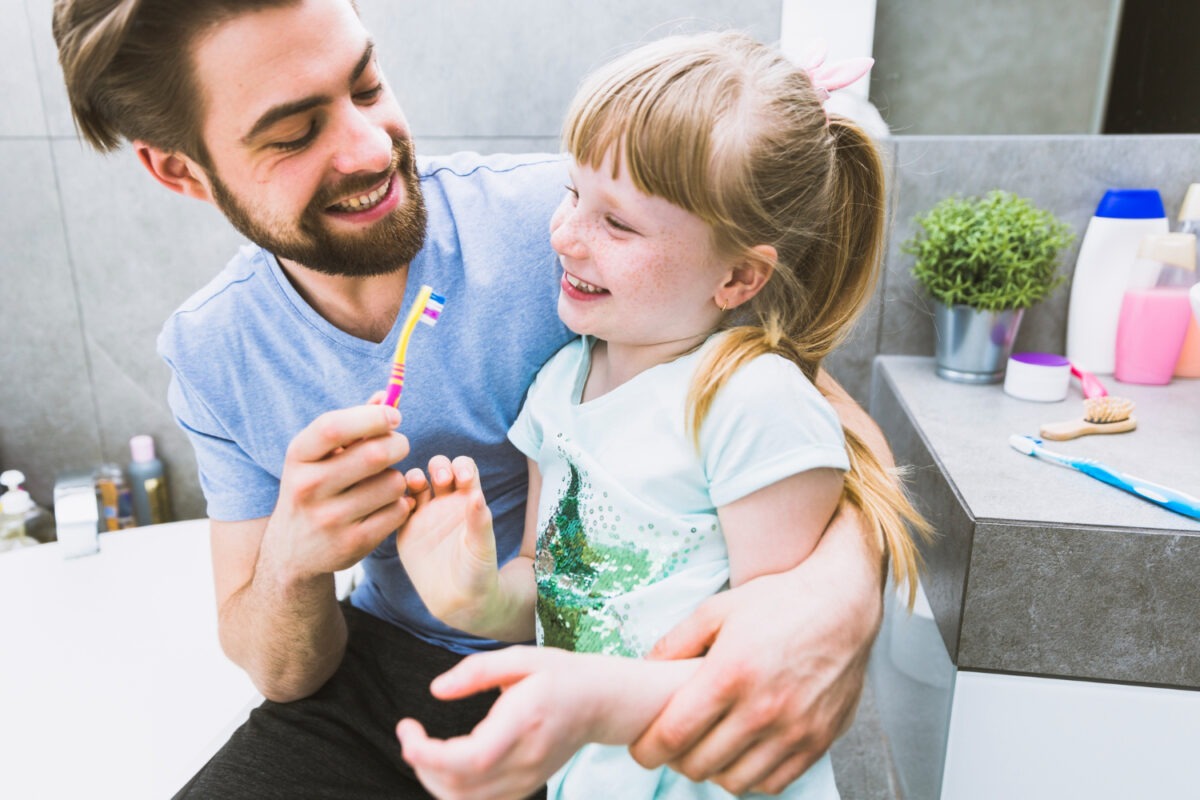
433,309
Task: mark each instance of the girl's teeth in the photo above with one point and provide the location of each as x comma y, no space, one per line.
587,288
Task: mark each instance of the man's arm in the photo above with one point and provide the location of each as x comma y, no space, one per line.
338,499
768,700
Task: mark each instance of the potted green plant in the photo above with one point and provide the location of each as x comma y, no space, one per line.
984,260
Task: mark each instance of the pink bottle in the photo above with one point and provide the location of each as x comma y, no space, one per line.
1155,311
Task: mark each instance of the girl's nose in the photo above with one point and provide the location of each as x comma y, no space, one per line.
564,232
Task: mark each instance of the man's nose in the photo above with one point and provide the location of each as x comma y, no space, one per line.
364,145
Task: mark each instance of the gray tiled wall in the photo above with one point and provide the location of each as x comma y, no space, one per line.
991,66
96,254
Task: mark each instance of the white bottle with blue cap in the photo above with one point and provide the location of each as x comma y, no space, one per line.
1106,256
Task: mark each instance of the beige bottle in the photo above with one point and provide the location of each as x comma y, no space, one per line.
1188,365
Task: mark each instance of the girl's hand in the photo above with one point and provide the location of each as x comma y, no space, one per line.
447,545
549,709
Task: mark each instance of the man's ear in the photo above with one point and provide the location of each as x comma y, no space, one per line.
175,171
748,276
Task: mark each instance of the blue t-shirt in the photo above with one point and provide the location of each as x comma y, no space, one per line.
252,363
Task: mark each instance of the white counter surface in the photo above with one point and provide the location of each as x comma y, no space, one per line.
112,682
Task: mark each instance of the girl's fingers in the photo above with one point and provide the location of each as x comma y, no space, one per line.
484,671
441,475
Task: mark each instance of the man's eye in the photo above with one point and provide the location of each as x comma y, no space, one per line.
370,95
296,144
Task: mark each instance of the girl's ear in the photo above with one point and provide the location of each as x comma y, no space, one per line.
175,171
748,276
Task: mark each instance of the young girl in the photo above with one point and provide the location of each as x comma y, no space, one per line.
720,236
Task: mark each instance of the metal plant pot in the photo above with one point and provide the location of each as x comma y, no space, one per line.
973,346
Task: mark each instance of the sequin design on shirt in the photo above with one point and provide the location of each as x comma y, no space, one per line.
580,579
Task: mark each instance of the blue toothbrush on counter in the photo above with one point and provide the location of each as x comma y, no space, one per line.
1170,499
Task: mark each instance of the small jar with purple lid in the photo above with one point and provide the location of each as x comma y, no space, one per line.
1042,377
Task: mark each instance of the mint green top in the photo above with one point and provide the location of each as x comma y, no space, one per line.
629,542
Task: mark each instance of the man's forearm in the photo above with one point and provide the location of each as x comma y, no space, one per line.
289,639
852,567
284,629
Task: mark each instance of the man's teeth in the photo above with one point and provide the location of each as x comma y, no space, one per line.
582,286
364,201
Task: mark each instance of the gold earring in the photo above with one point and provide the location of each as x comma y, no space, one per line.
724,306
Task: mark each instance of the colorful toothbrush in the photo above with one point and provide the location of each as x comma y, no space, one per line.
427,308
1170,499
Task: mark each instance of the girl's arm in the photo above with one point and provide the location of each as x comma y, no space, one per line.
448,549
553,703
790,687
775,528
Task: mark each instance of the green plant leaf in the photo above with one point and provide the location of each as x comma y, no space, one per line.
993,252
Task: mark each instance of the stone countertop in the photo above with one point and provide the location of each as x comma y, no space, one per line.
1039,569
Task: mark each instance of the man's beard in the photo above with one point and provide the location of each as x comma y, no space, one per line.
385,247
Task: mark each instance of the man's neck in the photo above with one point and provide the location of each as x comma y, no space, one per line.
363,307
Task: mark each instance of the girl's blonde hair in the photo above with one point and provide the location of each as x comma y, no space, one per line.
729,130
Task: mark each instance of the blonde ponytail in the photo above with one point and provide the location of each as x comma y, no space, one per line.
729,130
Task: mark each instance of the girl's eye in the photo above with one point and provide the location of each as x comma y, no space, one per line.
296,144
618,225
571,190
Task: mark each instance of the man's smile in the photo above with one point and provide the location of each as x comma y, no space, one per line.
364,202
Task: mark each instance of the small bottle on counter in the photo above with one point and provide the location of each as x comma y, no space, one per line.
1188,365
114,497
22,521
1155,310
151,504
1106,257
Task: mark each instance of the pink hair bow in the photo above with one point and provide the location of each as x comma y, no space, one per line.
828,78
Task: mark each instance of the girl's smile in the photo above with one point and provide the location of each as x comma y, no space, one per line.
639,272
580,290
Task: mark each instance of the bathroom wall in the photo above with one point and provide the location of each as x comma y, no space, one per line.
96,255
993,66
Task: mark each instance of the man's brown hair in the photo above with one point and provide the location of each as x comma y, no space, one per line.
129,71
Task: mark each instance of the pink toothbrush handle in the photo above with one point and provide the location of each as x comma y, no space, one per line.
1092,387
395,385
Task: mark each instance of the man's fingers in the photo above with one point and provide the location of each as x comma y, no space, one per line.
787,771
758,760
693,636
341,428
696,707
718,749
